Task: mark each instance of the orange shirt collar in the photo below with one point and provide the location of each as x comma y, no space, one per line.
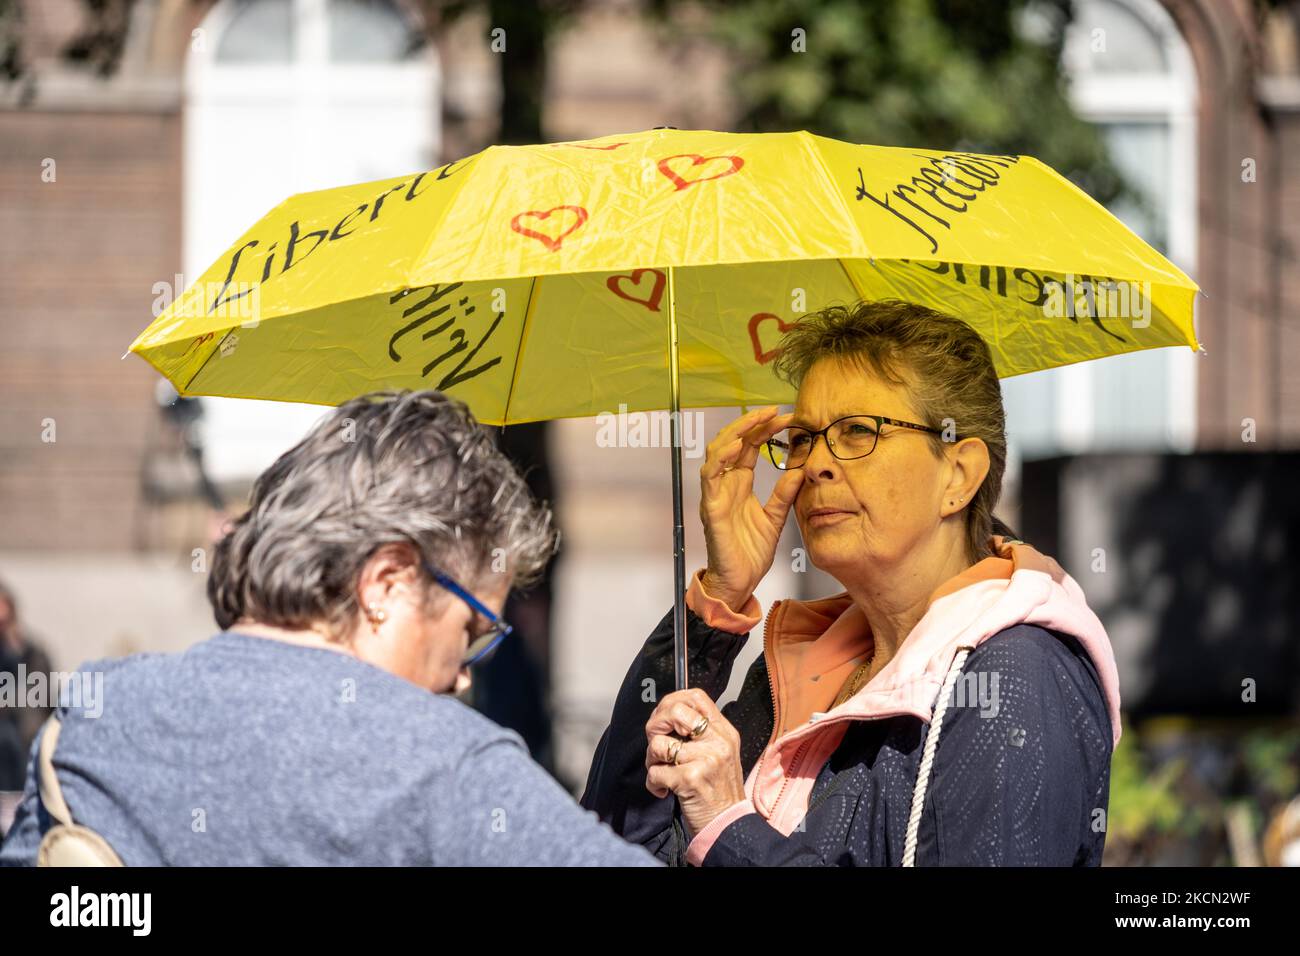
812,647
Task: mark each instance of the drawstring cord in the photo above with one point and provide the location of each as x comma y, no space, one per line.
927,757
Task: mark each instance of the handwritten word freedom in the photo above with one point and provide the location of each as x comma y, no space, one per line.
942,193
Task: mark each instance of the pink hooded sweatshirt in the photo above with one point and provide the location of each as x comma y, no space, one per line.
1019,585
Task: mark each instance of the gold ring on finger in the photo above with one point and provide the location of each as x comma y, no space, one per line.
673,749
699,728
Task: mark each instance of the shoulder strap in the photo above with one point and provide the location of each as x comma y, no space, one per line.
51,793
66,843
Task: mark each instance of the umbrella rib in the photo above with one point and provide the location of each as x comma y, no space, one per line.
519,350
446,209
216,347
852,281
820,163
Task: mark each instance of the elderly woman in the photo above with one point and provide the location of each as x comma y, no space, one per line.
957,703
366,577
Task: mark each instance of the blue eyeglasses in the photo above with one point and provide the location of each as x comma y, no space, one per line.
484,643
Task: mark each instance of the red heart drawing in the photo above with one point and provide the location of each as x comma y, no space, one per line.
651,302
551,243
758,319
696,160
610,146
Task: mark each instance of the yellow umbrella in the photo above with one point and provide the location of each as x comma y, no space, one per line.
654,269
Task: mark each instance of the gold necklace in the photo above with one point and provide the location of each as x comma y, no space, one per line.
855,682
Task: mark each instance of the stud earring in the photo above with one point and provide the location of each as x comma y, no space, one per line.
376,615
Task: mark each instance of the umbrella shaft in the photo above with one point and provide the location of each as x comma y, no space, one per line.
679,535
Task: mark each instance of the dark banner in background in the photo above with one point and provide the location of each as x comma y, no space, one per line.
1191,563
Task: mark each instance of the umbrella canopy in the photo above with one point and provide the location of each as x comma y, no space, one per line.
531,281
654,269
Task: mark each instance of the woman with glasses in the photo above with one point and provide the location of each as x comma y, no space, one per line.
955,703
353,596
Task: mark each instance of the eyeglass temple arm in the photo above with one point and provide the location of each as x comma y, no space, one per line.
920,428
461,593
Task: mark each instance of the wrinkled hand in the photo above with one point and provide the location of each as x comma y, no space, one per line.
740,533
707,777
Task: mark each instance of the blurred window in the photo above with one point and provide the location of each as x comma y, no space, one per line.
260,31
1132,75
366,31
282,97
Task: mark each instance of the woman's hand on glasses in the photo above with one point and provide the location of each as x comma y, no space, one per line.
740,533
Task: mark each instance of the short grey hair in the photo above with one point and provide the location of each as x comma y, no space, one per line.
385,468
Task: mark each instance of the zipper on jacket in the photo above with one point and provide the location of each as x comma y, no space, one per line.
776,720
771,688
807,739
794,766
771,683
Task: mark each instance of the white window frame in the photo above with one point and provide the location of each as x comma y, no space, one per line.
1170,98
242,437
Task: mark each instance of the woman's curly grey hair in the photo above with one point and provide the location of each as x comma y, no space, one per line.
384,468
944,364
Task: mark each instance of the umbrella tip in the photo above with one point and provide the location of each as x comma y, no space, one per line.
125,354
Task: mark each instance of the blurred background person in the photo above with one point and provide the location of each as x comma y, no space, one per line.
21,654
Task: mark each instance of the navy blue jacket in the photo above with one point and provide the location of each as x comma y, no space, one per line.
1027,787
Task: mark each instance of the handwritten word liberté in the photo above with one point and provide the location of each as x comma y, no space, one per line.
340,230
939,174
458,373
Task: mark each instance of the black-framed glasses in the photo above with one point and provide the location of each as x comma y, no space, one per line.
484,643
850,437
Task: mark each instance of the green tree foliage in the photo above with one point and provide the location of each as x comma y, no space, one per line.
983,75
